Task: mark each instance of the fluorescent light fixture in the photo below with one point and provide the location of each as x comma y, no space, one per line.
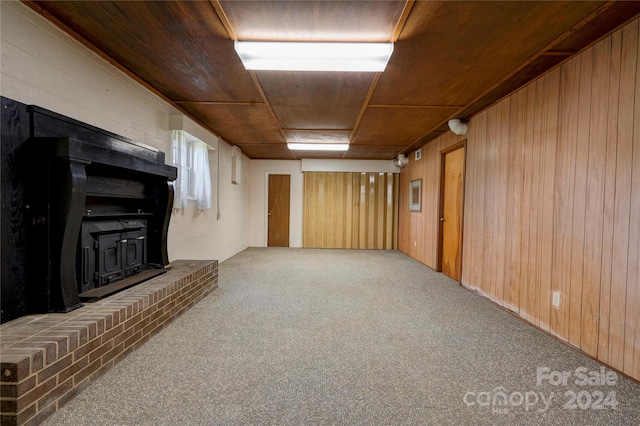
313,56
319,146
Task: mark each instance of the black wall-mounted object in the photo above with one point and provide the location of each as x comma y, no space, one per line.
87,209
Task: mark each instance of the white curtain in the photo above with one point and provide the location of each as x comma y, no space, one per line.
198,158
202,178
179,150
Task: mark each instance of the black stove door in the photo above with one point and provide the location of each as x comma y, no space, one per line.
109,268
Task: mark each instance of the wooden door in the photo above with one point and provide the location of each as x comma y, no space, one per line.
278,211
451,217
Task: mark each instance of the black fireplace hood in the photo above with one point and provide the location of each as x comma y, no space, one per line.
97,208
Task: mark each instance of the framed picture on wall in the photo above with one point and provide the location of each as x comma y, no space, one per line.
415,195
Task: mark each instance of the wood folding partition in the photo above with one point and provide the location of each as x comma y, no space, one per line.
350,210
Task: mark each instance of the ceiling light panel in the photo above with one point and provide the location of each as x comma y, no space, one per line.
317,136
313,56
319,146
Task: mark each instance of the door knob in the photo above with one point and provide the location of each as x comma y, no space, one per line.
442,219
269,214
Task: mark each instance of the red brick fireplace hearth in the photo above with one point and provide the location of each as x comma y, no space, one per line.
48,359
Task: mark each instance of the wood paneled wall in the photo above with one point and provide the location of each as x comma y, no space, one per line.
350,210
418,231
552,202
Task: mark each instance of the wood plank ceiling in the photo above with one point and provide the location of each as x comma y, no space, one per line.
451,59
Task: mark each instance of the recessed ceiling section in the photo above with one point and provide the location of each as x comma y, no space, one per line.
316,100
451,52
398,125
162,42
267,151
371,21
238,123
317,136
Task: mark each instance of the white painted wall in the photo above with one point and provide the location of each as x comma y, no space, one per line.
43,66
258,184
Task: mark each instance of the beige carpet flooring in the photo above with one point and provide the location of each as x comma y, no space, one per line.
349,337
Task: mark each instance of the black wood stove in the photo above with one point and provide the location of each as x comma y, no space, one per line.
98,211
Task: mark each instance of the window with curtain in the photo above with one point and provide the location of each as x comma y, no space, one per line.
191,157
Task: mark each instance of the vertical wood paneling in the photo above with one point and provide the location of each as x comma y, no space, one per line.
404,218
622,201
535,142
515,176
550,135
468,274
490,214
563,203
467,223
609,196
594,203
552,201
632,323
349,210
425,169
434,174
431,168
579,196
480,140
502,156
527,289
420,171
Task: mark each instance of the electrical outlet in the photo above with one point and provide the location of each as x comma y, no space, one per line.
555,301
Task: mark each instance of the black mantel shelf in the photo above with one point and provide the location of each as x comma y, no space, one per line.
113,154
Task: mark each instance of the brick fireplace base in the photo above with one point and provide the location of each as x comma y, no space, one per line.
48,359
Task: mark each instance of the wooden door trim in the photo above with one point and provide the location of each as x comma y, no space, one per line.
443,153
266,204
